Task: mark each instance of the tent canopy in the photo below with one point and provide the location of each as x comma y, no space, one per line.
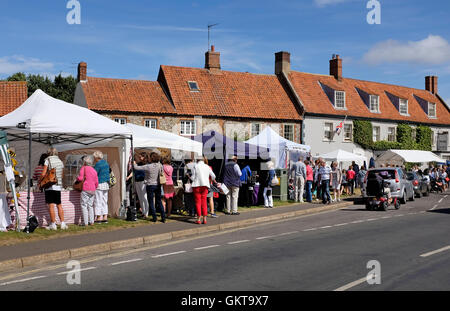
278,145
395,156
59,122
215,145
147,137
340,155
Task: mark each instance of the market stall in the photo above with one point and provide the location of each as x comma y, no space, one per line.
343,157
399,157
43,121
281,149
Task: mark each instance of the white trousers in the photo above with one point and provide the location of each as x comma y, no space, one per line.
141,190
268,199
101,202
299,186
232,200
87,207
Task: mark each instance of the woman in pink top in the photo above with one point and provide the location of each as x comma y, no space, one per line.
90,184
309,181
169,190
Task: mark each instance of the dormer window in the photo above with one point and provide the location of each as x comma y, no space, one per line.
374,103
431,110
403,106
339,99
193,86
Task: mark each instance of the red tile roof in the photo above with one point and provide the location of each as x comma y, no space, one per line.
316,101
12,95
104,94
228,94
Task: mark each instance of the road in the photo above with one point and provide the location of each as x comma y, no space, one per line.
327,251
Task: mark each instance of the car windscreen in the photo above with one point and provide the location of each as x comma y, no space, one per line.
410,176
390,173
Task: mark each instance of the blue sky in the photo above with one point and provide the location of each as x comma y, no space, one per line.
130,39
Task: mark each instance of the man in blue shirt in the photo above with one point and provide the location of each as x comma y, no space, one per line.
324,177
298,173
245,181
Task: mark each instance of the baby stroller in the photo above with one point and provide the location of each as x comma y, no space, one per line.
436,185
377,199
291,189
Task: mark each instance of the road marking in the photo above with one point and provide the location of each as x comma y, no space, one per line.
22,280
343,224
264,237
168,254
352,284
126,261
78,270
205,247
325,227
312,229
436,251
440,200
371,219
237,242
357,221
434,207
386,217
288,233
399,215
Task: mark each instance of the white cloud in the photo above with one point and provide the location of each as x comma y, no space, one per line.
323,3
17,63
432,50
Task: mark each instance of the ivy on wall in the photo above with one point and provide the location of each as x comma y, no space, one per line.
362,135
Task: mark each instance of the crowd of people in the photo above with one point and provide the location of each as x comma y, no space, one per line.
94,176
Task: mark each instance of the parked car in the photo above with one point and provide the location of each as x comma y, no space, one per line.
420,185
399,185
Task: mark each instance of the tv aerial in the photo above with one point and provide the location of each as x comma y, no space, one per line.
209,29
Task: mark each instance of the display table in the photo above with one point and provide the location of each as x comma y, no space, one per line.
5,218
70,201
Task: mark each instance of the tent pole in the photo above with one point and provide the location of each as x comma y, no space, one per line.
133,180
27,229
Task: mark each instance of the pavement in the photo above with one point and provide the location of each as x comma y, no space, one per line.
333,251
28,254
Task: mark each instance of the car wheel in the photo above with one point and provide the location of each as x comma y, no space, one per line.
384,206
420,194
396,204
403,199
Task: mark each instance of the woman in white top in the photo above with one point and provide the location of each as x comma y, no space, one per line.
200,186
53,193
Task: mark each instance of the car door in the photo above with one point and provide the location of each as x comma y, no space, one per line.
408,184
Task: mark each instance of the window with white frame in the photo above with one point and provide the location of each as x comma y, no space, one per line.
403,106
431,110
348,132
339,99
256,129
188,128
328,131
376,133
391,134
288,132
374,103
151,123
120,120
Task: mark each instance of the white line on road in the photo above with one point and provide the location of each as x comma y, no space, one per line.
287,233
126,261
357,221
401,215
205,247
168,254
440,200
312,229
350,285
237,242
264,237
22,280
371,219
74,271
342,224
434,207
386,217
436,251
325,227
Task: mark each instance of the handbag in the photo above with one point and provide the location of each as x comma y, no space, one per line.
32,224
112,178
78,184
275,181
49,179
188,188
162,177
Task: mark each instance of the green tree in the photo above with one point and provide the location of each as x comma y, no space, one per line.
19,76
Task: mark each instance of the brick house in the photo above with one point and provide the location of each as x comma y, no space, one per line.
12,95
189,101
328,99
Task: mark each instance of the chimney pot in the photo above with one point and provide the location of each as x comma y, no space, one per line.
431,84
82,72
212,48
282,62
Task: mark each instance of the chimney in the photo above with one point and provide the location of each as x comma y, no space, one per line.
282,62
82,72
336,67
431,84
212,60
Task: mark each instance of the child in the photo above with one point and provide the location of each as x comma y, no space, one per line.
344,182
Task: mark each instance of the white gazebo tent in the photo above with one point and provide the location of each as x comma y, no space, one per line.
279,146
342,156
398,157
42,121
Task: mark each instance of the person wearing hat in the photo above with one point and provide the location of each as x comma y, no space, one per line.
232,179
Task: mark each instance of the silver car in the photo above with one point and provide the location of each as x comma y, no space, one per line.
400,186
